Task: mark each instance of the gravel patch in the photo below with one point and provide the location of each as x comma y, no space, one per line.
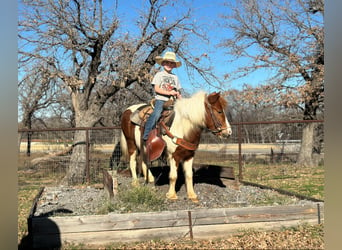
69,201
61,200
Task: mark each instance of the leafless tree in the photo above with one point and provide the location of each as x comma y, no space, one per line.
286,37
36,91
96,59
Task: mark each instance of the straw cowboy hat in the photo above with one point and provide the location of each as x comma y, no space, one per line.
170,57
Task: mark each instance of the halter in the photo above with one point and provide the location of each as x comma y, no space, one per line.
217,123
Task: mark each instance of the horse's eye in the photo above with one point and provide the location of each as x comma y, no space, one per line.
219,111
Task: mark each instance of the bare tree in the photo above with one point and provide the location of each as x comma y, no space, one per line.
87,51
36,91
286,37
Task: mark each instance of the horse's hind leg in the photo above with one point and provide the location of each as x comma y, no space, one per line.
145,171
133,168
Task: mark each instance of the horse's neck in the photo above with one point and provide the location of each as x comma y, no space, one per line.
189,115
183,127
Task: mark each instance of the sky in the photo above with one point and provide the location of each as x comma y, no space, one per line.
207,14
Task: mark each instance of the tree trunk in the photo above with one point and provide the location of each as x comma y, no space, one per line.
84,117
76,173
305,157
27,121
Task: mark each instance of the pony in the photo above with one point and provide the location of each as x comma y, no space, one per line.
191,116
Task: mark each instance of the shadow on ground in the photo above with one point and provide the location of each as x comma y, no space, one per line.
209,174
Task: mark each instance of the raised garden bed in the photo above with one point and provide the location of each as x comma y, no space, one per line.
193,223
202,223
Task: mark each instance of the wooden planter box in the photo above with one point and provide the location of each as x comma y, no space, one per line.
167,225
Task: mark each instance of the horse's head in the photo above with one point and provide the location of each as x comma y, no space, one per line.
216,120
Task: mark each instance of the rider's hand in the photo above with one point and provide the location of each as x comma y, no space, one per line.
174,93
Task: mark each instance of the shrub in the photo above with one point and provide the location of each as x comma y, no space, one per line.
135,199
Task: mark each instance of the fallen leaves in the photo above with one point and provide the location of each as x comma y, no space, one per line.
302,237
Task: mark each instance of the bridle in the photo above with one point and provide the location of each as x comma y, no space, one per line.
217,124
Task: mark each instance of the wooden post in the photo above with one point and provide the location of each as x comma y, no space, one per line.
319,213
190,226
108,183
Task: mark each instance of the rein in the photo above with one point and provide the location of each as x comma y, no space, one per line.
179,141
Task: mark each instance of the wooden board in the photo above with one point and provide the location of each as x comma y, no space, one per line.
165,225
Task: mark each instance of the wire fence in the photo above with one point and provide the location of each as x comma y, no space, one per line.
49,150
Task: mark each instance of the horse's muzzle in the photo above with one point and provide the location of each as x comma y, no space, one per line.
224,133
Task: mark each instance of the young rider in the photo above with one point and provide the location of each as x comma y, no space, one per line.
166,85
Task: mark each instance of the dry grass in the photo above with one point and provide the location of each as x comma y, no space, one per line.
307,181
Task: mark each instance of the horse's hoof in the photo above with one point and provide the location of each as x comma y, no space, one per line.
194,200
172,196
135,183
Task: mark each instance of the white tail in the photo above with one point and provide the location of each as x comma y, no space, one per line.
123,146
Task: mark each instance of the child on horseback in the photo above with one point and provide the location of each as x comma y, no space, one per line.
166,85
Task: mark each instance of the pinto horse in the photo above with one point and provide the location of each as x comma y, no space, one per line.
192,116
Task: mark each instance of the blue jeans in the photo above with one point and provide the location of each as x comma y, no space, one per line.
154,117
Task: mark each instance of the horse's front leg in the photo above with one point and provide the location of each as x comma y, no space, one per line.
187,168
171,194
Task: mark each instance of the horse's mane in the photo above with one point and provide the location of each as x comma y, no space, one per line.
191,111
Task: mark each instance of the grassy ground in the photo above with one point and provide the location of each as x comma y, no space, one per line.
305,181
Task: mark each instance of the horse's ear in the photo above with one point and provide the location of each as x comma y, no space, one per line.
213,97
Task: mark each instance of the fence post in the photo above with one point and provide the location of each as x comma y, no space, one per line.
87,156
240,155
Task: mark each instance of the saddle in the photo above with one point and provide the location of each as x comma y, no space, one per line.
155,144
140,116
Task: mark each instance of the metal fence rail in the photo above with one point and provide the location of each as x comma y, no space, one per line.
261,142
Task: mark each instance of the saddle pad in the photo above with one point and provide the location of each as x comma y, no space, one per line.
141,114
